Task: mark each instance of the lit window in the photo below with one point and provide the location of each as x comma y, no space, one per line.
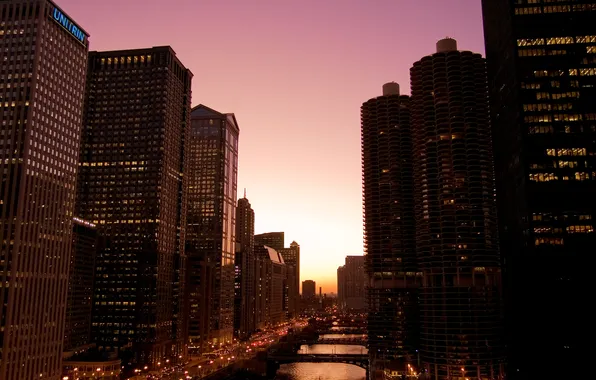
579,229
559,40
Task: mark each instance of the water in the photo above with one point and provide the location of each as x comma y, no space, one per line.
320,371
324,371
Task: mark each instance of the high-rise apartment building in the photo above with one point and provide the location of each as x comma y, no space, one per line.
541,59
43,60
212,149
389,237
131,186
351,284
77,331
309,289
275,240
244,285
291,258
456,230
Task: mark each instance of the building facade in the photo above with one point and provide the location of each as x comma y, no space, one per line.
541,60
389,229
291,258
244,285
456,225
43,60
351,284
77,331
211,229
275,240
131,186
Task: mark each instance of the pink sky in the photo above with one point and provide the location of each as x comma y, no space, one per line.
295,74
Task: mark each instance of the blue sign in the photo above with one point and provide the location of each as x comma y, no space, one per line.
67,24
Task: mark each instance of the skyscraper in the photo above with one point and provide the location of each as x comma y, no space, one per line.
244,286
541,59
131,186
456,231
291,258
43,60
270,278
211,237
77,332
309,289
389,229
341,286
275,240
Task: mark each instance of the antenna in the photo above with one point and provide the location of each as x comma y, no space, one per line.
245,193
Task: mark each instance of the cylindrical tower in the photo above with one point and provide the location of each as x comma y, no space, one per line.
389,228
456,231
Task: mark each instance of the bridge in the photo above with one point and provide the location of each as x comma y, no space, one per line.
360,341
360,360
343,330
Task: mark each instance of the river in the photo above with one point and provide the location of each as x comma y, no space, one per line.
324,371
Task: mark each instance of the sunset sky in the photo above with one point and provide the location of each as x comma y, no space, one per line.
295,74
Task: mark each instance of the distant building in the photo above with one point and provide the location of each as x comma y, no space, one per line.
137,110
244,285
309,289
271,275
351,284
77,332
43,56
275,240
212,150
341,283
291,257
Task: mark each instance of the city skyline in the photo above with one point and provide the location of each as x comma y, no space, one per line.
315,196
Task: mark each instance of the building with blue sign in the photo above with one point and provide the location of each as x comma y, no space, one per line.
42,103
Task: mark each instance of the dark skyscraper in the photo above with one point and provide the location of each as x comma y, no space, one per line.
309,289
274,240
291,258
77,332
456,230
389,228
131,186
541,59
244,286
212,148
43,60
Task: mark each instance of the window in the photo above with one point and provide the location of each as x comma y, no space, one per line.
580,229
543,177
559,40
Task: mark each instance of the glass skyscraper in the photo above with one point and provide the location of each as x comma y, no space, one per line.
541,57
212,150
